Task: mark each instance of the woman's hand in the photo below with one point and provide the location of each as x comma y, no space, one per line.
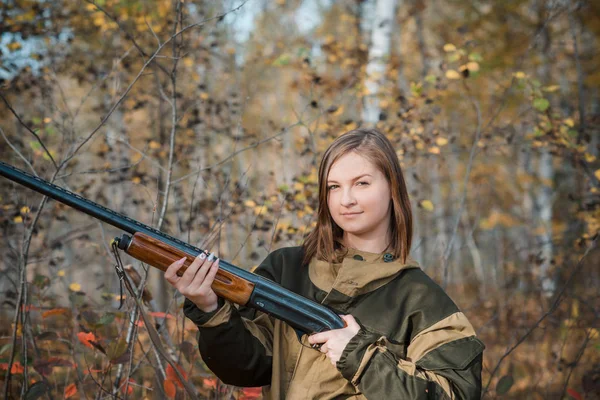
334,341
196,281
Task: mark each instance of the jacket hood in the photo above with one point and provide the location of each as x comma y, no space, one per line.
359,272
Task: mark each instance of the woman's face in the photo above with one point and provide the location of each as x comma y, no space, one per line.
359,198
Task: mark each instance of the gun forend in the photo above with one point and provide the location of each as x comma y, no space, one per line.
160,255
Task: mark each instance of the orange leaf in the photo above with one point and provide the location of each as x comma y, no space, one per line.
170,389
85,338
129,387
17,368
54,311
210,383
251,393
172,375
574,394
70,390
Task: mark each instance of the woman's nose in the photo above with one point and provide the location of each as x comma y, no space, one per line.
348,198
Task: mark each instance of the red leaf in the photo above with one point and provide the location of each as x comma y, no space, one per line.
129,387
17,368
85,338
172,375
251,393
170,389
574,394
70,390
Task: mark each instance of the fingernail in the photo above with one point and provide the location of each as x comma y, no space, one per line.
202,256
182,260
210,257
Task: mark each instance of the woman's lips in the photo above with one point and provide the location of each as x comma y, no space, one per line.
351,214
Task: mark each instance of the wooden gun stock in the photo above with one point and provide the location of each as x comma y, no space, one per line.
160,255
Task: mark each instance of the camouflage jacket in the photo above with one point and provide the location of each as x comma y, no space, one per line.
414,343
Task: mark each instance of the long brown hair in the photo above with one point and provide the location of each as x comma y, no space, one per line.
325,240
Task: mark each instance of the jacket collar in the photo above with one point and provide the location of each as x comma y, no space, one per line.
359,272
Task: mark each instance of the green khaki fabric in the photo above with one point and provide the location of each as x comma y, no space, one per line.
414,343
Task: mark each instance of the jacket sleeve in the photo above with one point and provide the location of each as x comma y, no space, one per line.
236,344
443,361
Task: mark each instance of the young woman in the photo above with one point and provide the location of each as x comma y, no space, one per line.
405,338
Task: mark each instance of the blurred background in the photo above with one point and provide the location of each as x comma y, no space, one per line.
207,120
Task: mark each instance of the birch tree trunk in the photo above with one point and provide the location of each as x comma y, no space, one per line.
545,172
379,51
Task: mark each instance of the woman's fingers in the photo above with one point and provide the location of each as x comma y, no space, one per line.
171,272
210,276
197,286
191,271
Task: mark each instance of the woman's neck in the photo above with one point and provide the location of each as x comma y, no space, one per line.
369,245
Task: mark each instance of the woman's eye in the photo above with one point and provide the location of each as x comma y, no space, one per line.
362,183
331,187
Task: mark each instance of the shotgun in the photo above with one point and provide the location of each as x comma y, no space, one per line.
160,250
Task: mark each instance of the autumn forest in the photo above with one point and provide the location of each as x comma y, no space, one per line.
207,120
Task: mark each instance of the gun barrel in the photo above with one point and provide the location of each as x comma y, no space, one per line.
267,296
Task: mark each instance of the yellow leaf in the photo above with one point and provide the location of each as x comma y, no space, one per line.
339,110
519,75
551,88
188,62
61,272
18,219
24,210
449,47
473,66
590,157
250,203
597,174
136,157
427,205
569,122
452,74
76,287
258,210
298,186
154,145
420,145
136,179
47,120
575,309
441,141
434,150
204,96
14,46
594,334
